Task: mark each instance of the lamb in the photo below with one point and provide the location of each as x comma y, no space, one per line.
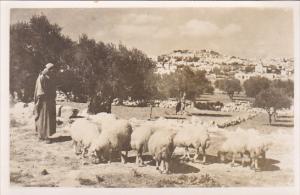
195,136
115,136
161,147
83,132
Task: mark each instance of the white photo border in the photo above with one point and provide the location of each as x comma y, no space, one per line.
5,22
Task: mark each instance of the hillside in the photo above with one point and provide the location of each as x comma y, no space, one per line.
209,60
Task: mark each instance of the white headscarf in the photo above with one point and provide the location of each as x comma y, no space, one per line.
48,67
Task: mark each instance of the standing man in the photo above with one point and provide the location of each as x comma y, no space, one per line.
45,105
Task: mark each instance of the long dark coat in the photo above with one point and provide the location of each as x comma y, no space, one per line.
45,106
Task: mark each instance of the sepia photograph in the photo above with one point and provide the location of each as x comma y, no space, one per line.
152,97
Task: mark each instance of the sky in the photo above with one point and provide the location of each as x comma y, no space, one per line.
243,32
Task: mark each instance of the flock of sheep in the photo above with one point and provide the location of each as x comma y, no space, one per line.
98,136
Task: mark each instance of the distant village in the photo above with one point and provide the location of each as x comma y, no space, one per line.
218,66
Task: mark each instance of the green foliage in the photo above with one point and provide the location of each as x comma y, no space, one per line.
255,85
230,86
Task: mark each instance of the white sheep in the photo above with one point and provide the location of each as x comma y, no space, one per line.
139,139
66,111
245,142
23,113
135,122
195,136
115,136
234,144
161,147
257,147
83,132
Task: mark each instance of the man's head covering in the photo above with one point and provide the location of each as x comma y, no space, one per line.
49,66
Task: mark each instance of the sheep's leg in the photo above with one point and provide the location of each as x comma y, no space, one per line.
197,154
164,166
167,167
187,152
233,160
251,163
157,164
126,156
252,159
184,154
137,159
263,155
109,156
256,164
263,159
141,162
204,155
84,152
221,157
123,157
74,143
243,160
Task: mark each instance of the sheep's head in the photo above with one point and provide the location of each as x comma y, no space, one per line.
78,148
99,147
266,146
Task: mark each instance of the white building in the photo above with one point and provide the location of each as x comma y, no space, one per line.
259,68
271,76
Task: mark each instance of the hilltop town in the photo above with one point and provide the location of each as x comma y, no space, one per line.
220,66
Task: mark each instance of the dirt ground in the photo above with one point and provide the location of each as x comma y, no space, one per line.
34,163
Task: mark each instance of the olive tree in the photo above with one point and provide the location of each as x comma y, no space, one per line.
272,98
230,86
255,85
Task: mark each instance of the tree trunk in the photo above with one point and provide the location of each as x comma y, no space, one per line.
275,115
151,108
270,118
100,103
230,96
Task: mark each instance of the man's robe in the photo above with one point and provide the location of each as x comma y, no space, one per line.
45,106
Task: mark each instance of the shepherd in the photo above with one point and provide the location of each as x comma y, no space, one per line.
44,100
